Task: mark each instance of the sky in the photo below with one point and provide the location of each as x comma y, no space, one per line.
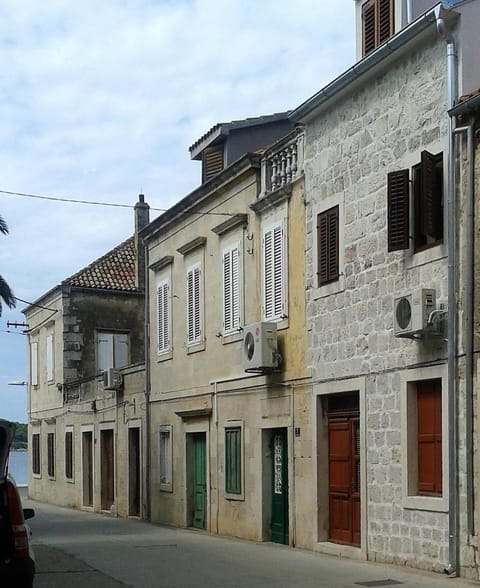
100,101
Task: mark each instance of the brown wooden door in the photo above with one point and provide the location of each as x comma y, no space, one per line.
344,478
107,469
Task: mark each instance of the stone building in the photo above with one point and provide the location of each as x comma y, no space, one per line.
386,314
228,435
86,402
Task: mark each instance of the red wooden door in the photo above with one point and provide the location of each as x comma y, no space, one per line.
344,478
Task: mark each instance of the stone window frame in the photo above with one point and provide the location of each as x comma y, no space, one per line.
51,454
36,454
408,392
235,424
318,208
69,430
166,432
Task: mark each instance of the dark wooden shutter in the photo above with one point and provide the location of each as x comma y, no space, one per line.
385,20
368,18
398,210
429,418
328,246
212,159
431,197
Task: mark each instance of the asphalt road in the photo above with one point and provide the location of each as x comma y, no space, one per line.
82,549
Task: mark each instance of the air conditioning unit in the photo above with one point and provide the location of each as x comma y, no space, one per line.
411,313
112,379
260,347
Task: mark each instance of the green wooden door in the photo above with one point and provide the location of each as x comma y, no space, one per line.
199,477
279,524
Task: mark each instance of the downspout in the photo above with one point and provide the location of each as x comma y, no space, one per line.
453,515
148,506
468,314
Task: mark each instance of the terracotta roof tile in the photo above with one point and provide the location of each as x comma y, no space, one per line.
113,271
466,97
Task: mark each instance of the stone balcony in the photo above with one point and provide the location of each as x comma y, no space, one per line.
282,163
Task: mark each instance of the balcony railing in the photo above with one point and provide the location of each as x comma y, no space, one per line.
282,163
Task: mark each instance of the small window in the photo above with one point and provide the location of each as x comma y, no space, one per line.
273,272
233,460
34,363
212,162
113,351
165,457
51,455
49,358
36,454
328,246
231,289
194,306
69,455
427,205
429,437
163,316
377,23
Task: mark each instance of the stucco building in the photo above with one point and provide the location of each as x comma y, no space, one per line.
85,432
227,429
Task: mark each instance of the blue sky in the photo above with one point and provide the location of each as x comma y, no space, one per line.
100,100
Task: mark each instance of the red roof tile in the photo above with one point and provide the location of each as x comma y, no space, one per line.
113,271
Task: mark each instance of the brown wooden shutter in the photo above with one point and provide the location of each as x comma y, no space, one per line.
328,246
212,158
368,18
385,20
398,210
431,197
429,418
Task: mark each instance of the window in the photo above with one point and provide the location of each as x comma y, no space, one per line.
36,454
377,23
163,316
429,437
112,350
212,162
49,357
69,455
231,289
34,364
165,457
328,246
273,272
51,455
427,205
194,322
233,460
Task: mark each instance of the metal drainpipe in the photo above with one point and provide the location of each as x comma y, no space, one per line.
468,313
453,544
148,506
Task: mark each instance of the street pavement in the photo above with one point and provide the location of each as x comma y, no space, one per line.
83,549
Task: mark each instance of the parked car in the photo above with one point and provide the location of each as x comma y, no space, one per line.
17,563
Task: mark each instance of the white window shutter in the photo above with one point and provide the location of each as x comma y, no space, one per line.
231,290
34,364
278,297
49,357
193,305
197,303
163,316
268,283
120,343
235,288
273,273
105,351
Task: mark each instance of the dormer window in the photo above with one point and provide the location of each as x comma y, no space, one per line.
212,162
377,23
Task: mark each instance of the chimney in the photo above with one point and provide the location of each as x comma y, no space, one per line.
142,218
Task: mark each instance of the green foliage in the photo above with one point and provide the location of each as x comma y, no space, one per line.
20,437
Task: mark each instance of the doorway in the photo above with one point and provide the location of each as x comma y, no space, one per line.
107,469
87,468
134,471
279,491
197,480
343,417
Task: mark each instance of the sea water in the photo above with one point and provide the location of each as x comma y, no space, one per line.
18,466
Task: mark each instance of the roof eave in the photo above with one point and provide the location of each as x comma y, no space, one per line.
368,64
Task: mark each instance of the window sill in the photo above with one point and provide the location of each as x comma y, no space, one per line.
329,289
166,487
429,503
238,497
164,356
434,253
232,337
195,347
70,480
37,476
